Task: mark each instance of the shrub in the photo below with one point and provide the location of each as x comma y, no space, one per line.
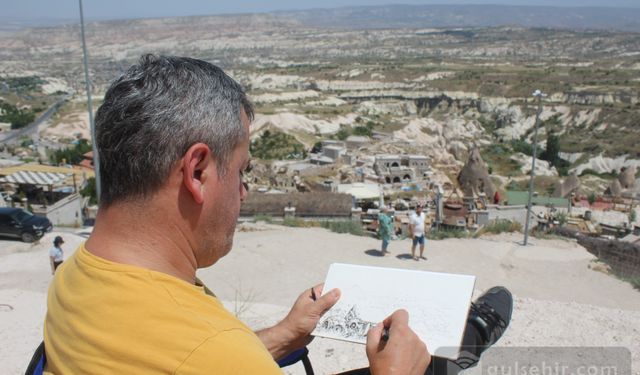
522,146
501,226
277,145
362,130
543,235
26,142
635,282
589,171
297,222
344,226
260,217
446,233
343,133
562,218
488,125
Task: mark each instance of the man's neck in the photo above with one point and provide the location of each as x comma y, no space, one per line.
124,234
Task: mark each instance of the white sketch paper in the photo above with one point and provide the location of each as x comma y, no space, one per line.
438,304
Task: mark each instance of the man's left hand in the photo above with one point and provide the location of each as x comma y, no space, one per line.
294,331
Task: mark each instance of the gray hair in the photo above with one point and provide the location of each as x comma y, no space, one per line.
154,112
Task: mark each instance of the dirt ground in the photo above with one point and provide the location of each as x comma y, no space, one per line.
560,301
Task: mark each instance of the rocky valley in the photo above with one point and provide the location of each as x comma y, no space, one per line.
438,92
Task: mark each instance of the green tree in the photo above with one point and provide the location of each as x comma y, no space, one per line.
362,130
72,155
317,147
343,133
551,153
277,145
90,191
18,118
522,146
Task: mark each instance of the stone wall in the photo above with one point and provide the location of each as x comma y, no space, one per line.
65,212
622,257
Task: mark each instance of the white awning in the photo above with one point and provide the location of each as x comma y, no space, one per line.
35,178
360,190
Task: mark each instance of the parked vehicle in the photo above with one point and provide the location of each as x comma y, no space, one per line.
19,223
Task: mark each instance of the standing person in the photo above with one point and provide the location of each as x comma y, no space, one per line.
416,226
56,255
385,228
173,140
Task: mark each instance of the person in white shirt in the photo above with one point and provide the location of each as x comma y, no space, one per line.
416,225
56,255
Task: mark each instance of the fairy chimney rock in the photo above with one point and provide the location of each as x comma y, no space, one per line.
474,177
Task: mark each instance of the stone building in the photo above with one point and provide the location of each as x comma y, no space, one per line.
332,152
356,141
400,168
419,163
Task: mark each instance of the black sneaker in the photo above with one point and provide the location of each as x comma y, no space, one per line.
491,314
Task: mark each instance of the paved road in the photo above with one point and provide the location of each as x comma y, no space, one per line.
14,136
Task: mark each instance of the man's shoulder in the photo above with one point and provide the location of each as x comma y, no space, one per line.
174,315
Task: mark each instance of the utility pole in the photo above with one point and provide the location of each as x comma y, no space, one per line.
539,95
96,159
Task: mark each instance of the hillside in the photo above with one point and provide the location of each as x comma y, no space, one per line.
433,91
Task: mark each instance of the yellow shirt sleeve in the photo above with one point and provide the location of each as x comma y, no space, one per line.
226,353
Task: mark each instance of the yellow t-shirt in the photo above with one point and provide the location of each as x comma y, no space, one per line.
110,318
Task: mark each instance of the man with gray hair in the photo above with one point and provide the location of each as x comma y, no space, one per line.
173,140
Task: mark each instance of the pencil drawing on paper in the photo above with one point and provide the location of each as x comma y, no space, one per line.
344,324
437,303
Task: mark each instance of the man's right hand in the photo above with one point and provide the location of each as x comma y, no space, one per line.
403,352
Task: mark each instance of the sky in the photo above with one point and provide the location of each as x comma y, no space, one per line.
34,10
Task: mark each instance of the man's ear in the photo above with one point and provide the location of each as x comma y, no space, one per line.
194,170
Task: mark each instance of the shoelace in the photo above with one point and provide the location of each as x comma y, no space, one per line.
488,314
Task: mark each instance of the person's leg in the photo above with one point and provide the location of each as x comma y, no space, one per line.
414,242
470,351
385,244
422,241
489,317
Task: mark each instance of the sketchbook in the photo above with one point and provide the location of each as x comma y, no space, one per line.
438,304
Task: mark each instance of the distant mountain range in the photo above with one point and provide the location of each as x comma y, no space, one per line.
438,16
426,16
